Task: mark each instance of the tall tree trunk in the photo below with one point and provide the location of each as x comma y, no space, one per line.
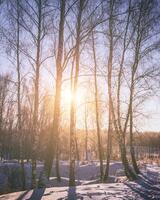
19,94
132,152
120,135
128,171
109,144
57,165
54,136
109,84
132,87
2,98
73,103
77,149
36,95
97,110
86,135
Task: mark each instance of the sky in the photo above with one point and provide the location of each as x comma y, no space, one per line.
151,108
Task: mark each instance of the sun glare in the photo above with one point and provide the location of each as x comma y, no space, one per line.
67,96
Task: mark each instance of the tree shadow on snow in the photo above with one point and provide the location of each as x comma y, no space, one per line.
36,194
145,188
23,195
72,193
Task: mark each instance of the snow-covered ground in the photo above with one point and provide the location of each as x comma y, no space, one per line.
95,191
112,191
85,173
10,176
146,187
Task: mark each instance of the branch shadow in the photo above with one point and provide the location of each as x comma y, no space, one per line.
145,188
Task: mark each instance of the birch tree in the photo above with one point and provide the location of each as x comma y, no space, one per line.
74,85
100,150
37,28
54,136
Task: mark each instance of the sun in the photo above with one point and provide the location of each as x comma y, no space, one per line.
68,97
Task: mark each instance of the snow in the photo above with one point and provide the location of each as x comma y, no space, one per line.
85,174
95,191
146,187
112,191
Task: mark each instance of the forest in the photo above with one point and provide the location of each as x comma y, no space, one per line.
79,83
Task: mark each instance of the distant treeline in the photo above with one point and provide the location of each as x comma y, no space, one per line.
10,145
151,139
